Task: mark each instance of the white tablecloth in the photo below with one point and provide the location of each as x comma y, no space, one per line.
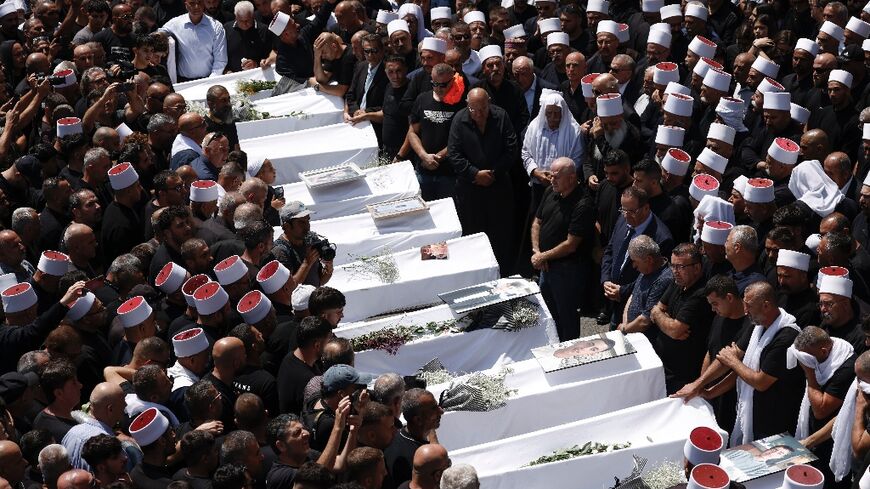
471,262
360,235
312,149
196,90
383,183
545,400
318,110
656,430
458,352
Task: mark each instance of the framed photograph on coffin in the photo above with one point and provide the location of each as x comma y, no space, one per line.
764,457
479,296
437,251
333,175
571,353
396,208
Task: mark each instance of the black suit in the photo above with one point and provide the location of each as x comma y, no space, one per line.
375,95
536,100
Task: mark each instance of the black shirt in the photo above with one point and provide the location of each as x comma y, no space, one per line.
399,456
724,331
561,216
229,130
58,427
228,399
293,376
279,343
110,40
195,482
682,359
281,476
434,118
804,306
122,230
51,226
147,476
341,69
850,332
837,386
260,382
395,125
251,44
296,62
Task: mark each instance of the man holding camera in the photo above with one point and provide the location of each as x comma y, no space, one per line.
296,249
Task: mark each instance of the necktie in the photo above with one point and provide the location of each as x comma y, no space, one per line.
370,77
623,250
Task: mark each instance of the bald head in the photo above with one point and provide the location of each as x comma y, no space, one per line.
37,63
762,291
825,60
862,366
478,95
189,120
228,352
105,393
75,479
563,164
522,62
605,83
429,458
12,463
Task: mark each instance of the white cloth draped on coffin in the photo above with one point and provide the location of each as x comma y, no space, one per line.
471,262
360,235
195,90
657,431
543,399
292,153
382,183
318,109
470,351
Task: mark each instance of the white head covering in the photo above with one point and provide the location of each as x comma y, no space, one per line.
8,8
600,6
713,160
833,30
793,259
799,114
535,140
413,8
841,76
859,27
651,6
279,23
385,16
669,11
666,72
811,185
396,26
660,37
515,31
474,16
732,111
436,45
703,47
490,51
713,208
715,232
807,45
765,66
698,10
721,132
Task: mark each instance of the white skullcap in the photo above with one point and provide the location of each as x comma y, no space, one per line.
674,87
669,11
716,232
474,16
608,27
385,16
717,80
122,176
300,296
600,6
799,114
696,10
777,101
807,45
703,47
679,104
832,284
651,6
759,191
784,150
435,44
556,38
514,32
765,67
859,27
396,26
608,105
666,72
670,135
703,184
279,23
841,76
793,259
703,446
721,132
549,25
833,30
713,160
660,37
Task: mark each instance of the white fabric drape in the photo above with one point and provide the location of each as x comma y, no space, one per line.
195,90
841,455
536,144
840,352
318,109
809,183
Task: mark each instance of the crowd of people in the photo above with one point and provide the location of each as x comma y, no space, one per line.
695,172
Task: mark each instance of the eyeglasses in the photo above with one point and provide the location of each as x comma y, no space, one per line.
614,69
460,37
677,267
436,84
371,51
828,304
630,211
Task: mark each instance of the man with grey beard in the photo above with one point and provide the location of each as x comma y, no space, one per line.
607,133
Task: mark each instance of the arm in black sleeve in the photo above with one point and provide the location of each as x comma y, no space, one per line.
508,149
311,31
407,102
461,165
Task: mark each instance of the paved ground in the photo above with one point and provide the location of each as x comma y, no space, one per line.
588,327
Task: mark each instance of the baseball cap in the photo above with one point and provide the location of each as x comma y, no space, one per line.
13,385
294,210
341,376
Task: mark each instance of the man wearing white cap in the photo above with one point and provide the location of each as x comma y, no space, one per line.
278,284
293,56
557,49
52,266
795,294
607,37
9,23
213,309
608,131
193,353
776,124
503,91
800,81
234,276
137,318
840,120
170,280
122,224
156,438
839,318
399,34
830,38
720,139
432,53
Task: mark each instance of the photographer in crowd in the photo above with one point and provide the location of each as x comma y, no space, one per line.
307,255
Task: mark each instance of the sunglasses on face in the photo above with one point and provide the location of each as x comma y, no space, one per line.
440,84
371,51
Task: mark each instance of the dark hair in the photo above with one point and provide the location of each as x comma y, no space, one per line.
55,375
229,476
362,460
314,475
100,448
160,180
374,39
721,285
783,235
197,397
616,157
638,194
255,233
311,329
396,59
374,412
689,250
42,151
164,220
839,244
97,7
411,402
32,442
648,167
244,332
323,298
195,445
792,214
145,381
276,430
68,144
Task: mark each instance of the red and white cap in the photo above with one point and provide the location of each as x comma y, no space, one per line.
69,78
832,284
230,270
122,176
777,101
703,65
765,66
134,311
807,45
148,427
170,278
514,31
697,10
8,8
600,6
474,16
608,105
670,11
674,87
665,72
651,6
759,191
670,136
859,27
68,126
703,445
679,104
385,16
841,76
793,259
434,44
586,84
769,85
717,80
555,38
279,23
833,30
703,184
715,233
18,298
189,343
799,114
53,263
784,150
254,306
300,296
493,51
713,160
190,287
398,25
803,477
552,24
624,33
81,306
722,132
210,298
660,37
123,131
708,476
832,271
676,162
703,47
272,276
204,191
608,27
